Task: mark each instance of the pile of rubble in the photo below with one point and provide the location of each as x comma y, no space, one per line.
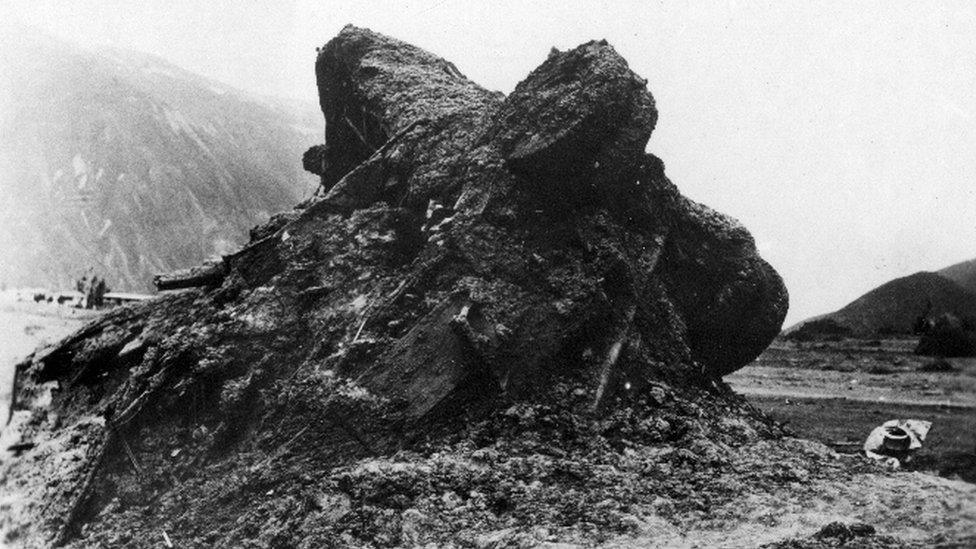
491,302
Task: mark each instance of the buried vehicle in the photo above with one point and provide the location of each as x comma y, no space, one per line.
498,324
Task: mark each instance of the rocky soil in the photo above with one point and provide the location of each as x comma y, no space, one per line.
498,325
24,325
836,392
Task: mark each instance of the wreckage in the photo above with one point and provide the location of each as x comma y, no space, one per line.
895,441
467,252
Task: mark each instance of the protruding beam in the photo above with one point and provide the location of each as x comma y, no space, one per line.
208,274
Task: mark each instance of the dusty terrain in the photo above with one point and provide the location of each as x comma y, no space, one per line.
791,488
24,325
837,391
500,326
873,370
645,476
834,392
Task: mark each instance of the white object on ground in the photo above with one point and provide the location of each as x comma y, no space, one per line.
896,440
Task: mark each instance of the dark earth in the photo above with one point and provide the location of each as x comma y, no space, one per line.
498,324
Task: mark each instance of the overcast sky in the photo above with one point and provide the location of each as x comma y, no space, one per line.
842,134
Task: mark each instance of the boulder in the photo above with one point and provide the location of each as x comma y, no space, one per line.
468,251
313,161
580,118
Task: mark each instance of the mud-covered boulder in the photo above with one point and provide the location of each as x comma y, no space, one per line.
313,160
468,251
579,119
371,87
732,301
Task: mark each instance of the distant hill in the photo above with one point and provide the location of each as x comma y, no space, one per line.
963,274
126,164
893,307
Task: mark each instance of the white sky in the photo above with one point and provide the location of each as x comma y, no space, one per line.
842,134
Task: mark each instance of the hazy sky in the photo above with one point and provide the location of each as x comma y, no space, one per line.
842,134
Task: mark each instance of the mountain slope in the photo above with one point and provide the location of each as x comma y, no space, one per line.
963,274
128,165
894,306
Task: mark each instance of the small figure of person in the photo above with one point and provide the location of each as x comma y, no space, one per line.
99,294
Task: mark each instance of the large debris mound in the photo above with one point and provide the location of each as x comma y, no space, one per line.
468,251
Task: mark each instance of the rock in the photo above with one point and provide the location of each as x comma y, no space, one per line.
658,395
413,526
313,161
732,302
364,321
372,86
497,539
844,532
581,115
512,538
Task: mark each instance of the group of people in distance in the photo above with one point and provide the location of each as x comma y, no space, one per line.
92,290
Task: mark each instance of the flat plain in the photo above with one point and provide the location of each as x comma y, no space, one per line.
837,391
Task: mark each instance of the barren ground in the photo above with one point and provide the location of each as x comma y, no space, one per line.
836,392
23,326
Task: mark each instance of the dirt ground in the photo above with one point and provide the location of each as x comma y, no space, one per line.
702,493
24,325
837,391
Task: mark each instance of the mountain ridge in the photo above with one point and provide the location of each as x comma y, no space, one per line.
126,164
962,273
893,307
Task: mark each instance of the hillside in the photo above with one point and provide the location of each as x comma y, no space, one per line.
963,274
126,164
894,306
